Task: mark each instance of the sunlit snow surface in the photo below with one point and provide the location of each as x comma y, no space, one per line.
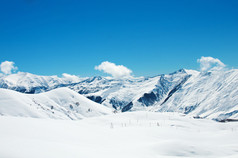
60,103
123,135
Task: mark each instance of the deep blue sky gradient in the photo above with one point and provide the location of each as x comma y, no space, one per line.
49,37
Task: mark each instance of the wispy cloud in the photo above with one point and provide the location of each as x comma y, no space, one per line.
210,63
117,71
7,67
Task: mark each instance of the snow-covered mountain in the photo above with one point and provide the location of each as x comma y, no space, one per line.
212,94
129,94
61,103
120,94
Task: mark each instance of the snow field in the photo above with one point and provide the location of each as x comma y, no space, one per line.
132,134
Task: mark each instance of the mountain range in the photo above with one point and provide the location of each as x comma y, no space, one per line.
211,94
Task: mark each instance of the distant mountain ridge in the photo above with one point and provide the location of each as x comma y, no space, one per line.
211,94
29,83
114,93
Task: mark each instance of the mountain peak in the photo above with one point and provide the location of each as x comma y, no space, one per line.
178,71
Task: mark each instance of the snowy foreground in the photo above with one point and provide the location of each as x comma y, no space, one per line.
124,135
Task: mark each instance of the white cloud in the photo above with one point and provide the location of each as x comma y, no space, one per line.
72,78
7,67
210,63
117,71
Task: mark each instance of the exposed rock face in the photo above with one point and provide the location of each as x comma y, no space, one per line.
97,99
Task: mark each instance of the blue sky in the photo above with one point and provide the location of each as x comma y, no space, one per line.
49,37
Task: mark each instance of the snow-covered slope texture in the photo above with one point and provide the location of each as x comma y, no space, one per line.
30,83
61,103
129,94
208,94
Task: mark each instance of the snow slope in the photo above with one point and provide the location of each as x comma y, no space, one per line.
124,135
211,94
61,103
